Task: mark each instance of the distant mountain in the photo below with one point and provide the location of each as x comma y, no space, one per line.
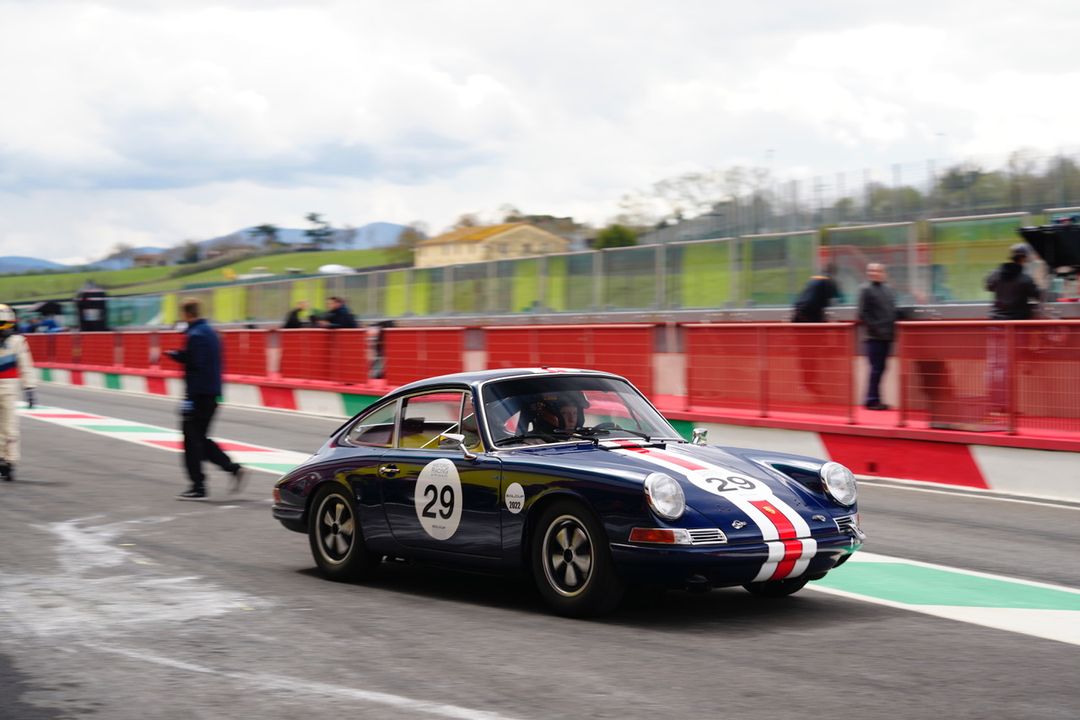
20,264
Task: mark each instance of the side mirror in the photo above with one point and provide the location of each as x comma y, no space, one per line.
700,435
459,440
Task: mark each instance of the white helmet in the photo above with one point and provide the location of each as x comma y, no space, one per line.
7,317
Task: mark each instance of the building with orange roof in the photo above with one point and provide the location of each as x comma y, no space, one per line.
490,242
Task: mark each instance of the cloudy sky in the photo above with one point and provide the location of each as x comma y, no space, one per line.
153,121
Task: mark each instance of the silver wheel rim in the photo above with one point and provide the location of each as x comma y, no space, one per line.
567,556
335,529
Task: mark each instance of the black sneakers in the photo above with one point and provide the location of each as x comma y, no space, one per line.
192,494
7,472
239,477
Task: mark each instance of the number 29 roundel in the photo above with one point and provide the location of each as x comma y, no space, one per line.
438,499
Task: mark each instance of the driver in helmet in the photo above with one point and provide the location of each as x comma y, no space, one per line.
16,368
559,413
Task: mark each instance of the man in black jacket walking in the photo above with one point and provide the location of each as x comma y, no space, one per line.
877,314
201,358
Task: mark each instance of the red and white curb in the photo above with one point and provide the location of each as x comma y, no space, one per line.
1035,473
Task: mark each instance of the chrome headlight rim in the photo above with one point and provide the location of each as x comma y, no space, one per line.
665,496
839,483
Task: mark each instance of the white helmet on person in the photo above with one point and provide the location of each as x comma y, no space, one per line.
7,318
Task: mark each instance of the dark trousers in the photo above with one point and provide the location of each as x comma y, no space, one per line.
197,446
877,352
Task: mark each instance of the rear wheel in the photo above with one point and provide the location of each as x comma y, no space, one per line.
572,563
334,534
777,588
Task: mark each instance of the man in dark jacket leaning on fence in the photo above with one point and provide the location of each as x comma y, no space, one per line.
1014,290
877,314
201,358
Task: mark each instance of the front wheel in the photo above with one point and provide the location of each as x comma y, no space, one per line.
572,563
777,588
335,538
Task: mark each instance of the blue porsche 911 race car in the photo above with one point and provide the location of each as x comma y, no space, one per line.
571,476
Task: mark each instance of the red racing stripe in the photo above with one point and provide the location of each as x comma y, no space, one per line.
783,526
669,457
793,550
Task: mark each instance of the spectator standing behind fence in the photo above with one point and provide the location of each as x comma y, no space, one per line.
201,358
338,316
877,315
815,297
297,317
1016,296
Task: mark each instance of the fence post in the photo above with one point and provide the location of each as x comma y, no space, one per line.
902,360
853,355
763,370
1010,344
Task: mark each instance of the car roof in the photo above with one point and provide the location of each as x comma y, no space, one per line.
473,379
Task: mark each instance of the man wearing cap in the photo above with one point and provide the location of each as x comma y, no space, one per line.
1015,294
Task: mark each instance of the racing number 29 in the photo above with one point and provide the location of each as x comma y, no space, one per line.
733,482
444,499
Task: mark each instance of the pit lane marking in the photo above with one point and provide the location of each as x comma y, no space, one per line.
995,601
255,457
282,683
976,493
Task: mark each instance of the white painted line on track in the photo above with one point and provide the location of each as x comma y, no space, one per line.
283,683
975,493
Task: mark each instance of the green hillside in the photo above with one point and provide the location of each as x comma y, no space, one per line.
20,288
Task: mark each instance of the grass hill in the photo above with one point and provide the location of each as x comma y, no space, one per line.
46,286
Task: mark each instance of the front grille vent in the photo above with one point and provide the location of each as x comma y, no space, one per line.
707,536
847,524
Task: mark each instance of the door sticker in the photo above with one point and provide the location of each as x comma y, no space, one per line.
515,498
438,499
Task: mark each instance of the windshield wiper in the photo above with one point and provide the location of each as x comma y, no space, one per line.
515,438
635,432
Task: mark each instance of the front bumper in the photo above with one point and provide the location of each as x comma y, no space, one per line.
719,565
291,517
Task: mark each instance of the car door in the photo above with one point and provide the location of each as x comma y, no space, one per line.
436,498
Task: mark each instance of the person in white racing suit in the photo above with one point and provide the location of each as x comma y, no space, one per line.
16,368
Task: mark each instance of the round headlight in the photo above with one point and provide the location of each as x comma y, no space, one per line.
665,496
839,483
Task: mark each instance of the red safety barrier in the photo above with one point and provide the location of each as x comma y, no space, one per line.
244,352
41,347
771,368
625,350
416,353
97,349
135,349
64,348
169,341
991,376
351,352
307,354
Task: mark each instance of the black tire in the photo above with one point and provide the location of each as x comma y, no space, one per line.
571,562
335,538
777,588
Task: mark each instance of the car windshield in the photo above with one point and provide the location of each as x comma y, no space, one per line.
553,408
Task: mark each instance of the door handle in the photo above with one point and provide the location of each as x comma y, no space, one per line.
388,471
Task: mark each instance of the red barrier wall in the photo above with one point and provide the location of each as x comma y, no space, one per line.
417,353
244,352
626,350
41,347
97,348
135,349
307,354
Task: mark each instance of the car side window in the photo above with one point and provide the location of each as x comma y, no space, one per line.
376,429
425,417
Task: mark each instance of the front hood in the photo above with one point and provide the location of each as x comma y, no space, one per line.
746,498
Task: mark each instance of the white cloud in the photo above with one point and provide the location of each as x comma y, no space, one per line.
154,121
